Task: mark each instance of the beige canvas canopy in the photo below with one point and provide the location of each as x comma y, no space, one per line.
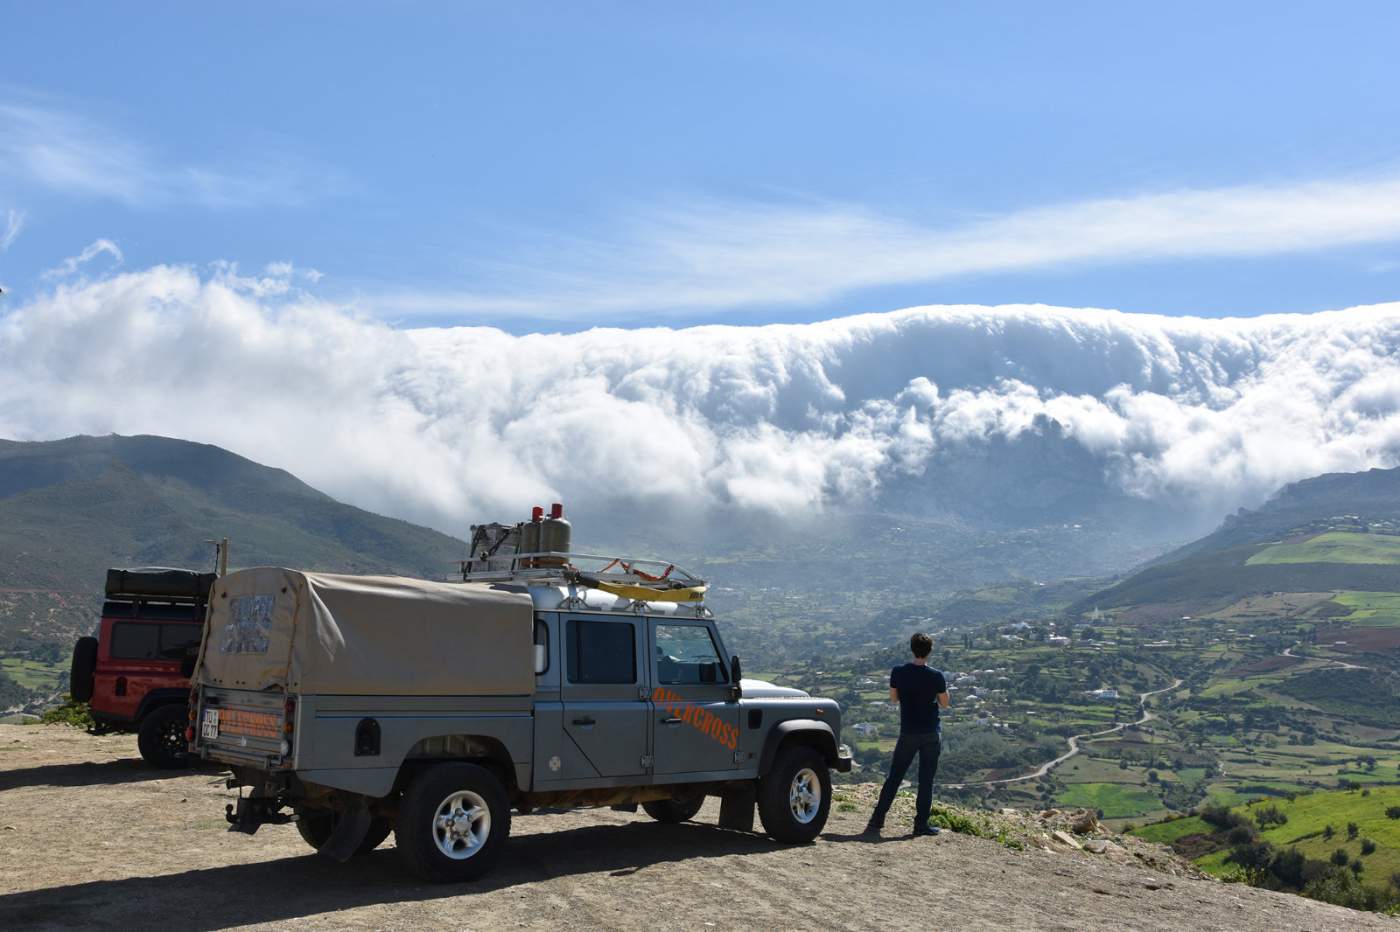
366,635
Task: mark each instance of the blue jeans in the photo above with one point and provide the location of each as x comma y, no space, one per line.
927,747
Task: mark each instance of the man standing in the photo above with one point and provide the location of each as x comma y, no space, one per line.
920,691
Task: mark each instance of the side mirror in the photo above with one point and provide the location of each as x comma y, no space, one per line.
735,674
187,663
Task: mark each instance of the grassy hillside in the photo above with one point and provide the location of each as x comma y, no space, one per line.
1219,577
1340,828
1333,547
1334,533
71,508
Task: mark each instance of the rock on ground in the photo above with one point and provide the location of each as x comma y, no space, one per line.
91,837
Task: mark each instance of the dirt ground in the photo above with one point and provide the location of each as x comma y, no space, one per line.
91,837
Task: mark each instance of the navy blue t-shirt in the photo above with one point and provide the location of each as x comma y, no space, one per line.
919,686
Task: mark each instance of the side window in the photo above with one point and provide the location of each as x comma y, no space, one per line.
686,654
601,652
541,646
135,641
178,640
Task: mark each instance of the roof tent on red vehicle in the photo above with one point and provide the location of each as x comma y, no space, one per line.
159,584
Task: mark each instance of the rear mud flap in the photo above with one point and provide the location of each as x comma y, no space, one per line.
350,830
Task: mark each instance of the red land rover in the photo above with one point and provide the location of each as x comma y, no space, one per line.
135,674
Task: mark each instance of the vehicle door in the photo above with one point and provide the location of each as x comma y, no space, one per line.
605,711
695,719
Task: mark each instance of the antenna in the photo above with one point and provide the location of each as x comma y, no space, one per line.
220,555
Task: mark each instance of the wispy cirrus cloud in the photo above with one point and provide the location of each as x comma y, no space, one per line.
73,154
717,254
71,264
14,223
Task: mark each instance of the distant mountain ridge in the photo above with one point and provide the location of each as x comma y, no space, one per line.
70,508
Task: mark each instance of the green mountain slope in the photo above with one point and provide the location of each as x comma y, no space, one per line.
1333,533
71,508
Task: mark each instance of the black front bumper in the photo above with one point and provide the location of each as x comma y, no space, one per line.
843,760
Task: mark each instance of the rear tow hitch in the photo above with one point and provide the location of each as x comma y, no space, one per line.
253,812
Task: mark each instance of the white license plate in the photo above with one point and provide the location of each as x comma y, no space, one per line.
209,728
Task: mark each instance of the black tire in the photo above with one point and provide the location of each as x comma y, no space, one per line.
161,737
672,811
775,806
84,665
316,826
418,833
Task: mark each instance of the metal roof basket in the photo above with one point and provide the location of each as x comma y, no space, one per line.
554,568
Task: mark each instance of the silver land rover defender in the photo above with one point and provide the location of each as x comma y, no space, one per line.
355,706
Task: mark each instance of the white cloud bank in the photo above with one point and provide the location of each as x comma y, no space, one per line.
450,425
713,254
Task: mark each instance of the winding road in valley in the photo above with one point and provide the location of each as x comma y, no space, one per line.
1288,652
1147,716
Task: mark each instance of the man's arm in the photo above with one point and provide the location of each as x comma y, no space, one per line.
942,699
894,694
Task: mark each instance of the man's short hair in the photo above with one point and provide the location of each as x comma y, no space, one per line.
921,644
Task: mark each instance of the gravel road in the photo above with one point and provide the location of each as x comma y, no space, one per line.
90,837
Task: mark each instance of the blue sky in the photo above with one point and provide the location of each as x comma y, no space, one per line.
556,166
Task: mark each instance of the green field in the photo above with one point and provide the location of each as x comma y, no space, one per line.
1117,800
33,674
1371,609
1333,547
1165,833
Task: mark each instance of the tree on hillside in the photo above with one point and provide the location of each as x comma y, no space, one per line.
1352,831
1392,812
1368,847
1328,831
1254,859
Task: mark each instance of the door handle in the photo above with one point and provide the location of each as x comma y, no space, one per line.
586,720
670,721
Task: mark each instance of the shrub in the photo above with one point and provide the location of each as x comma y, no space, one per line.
1339,887
1222,817
1368,847
1352,830
1253,858
1328,831
1290,867
1392,812
1267,816
1241,835
1340,857
71,712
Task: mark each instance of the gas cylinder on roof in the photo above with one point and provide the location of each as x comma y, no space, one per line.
530,534
555,535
